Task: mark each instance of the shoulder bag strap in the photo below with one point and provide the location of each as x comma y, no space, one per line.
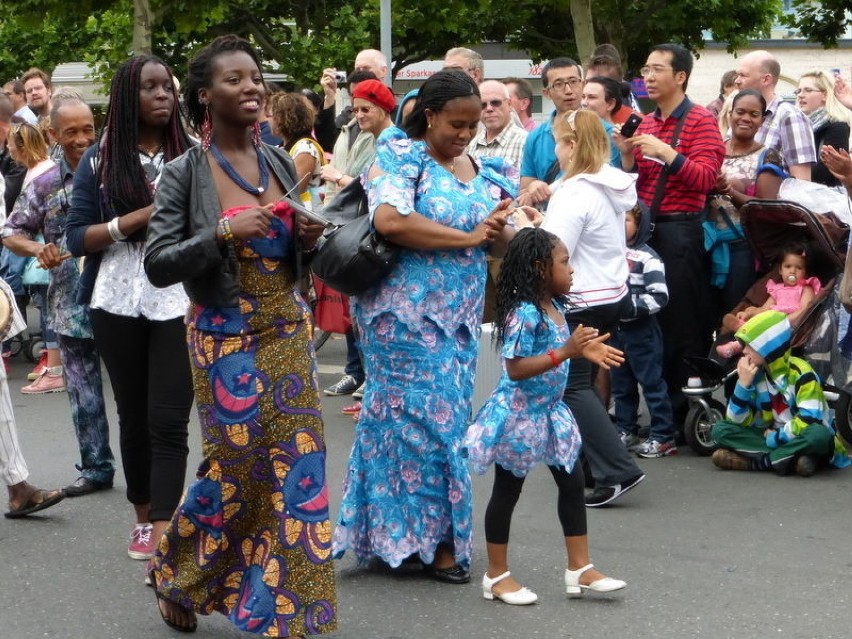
664,176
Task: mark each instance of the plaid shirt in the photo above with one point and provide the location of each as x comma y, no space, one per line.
509,145
788,131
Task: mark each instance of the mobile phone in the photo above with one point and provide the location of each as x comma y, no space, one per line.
340,77
630,125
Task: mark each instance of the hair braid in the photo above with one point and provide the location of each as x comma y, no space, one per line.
120,170
523,276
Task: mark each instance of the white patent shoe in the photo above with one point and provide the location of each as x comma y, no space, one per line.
574,588
522,597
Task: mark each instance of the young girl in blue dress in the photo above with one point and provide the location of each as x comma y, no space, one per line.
525,422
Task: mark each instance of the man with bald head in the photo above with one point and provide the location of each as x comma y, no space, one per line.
785,128
499,136
42,207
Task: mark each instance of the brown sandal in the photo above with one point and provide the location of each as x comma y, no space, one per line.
37,500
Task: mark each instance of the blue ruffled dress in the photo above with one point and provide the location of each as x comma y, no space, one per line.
526,422
407,487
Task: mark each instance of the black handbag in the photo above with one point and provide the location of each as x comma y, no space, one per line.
352,257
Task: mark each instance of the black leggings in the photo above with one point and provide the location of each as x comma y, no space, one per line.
571,504
151,379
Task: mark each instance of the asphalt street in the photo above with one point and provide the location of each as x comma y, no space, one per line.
705,553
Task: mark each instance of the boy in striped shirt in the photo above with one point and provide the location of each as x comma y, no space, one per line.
641,339
777,417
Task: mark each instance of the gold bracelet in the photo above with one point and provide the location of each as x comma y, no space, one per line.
225,228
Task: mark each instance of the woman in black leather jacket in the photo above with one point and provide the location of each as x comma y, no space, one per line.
260,506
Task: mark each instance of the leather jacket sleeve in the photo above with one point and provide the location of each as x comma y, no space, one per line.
179,248
182,246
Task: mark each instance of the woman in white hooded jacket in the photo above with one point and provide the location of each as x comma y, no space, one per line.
586,211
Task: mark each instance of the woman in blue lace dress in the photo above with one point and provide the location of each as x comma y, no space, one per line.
407,489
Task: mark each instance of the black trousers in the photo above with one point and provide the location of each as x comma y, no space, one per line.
150,375
570,504
686,321
609,461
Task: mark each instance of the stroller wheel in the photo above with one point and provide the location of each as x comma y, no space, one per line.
33,349
699,423
843,417
320,338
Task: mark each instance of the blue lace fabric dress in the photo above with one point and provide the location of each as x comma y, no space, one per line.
407,487
526,422
252,537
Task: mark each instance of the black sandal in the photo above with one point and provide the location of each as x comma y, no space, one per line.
168,622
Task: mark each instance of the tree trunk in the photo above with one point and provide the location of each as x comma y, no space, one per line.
141,27
584,31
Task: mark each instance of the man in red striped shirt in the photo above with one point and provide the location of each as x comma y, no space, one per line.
675,176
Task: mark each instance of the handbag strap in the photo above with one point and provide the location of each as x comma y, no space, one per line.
730,222
664,176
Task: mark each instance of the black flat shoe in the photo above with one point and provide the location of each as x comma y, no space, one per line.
85,486
453,575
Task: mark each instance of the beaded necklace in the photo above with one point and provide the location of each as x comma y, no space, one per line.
237,178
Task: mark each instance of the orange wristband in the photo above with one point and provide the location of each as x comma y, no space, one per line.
552,355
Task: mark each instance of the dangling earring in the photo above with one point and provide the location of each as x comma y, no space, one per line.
206,129
429,125
255,134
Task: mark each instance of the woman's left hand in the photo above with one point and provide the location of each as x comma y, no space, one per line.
491,227
527,216
602,354
309,232
330,174
838,162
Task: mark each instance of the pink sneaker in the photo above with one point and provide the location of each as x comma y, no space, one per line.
40,367
142,544
730,349
51,381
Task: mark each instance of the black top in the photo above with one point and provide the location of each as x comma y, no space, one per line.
835,134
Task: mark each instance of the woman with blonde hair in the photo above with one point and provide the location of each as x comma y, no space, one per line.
829,119
29,148
586,212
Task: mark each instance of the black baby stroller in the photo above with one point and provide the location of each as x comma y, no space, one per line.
769,225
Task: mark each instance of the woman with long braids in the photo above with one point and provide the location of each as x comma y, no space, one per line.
252,538
138,329
524,421
407,489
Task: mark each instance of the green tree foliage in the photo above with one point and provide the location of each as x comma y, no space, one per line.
633,26
823,22
301,37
